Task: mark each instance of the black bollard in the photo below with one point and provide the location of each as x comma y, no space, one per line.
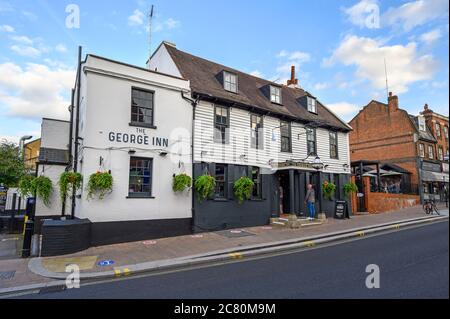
26,249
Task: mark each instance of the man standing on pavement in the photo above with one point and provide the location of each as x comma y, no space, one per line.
310,200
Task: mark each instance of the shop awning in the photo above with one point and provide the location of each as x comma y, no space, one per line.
434,177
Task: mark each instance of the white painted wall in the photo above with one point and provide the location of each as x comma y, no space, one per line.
55,207
106,108
161,63
55,134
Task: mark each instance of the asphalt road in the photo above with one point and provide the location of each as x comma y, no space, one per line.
413,263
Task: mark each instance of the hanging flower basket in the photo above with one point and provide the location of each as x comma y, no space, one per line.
67,181
204,186
328,189
181,182
243,189
100,184
349,188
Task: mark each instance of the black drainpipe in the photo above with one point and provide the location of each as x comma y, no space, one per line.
76,143
63,210
194,104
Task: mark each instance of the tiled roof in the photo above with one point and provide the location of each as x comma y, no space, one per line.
424,135
205,80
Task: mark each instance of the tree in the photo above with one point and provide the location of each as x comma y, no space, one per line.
11,165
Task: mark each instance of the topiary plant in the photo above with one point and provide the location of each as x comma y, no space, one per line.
180,182
204,186
69,180
328,189
350,187
243,188
100,183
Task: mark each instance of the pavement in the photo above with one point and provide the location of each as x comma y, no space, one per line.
131,258
412,263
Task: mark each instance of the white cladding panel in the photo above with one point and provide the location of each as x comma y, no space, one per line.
239,144
107,109
55,134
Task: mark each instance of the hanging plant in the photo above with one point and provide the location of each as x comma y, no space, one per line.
25,186
349,188
43,187
40,186
243,188
180,182
69,180
328,189
204,186
100,184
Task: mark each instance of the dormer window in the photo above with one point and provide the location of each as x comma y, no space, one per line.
311,104
230,81
275,94
421,121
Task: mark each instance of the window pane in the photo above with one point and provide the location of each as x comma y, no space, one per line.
142,106
140,176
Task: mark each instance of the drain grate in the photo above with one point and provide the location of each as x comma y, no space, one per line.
51,289
234,233
7,274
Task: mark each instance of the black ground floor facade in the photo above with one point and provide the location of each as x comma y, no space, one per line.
280,192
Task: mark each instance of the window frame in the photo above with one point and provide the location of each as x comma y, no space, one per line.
137,122
421,122
446,132
430,154
226,126
440,153
421,150
289,137
225,82
257,141
312,110
150,167
225,181
437,128
336,145
308,141
257,183
278,89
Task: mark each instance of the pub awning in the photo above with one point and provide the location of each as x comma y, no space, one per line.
428,176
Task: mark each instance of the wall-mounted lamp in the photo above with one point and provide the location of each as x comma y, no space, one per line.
131,151
162,153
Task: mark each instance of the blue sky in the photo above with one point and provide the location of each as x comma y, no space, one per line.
338,47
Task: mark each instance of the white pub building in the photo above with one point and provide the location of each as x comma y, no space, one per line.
138,124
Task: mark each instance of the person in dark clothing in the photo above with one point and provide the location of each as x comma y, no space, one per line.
310,200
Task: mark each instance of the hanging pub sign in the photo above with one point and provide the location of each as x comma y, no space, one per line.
138,138
340,210
295,164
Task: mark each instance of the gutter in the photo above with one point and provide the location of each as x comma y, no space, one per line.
77,130
194,104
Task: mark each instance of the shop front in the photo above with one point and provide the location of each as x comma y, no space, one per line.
435,181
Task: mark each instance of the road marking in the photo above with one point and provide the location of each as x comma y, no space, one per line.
126,271
117,272
397,226
309,243
236,255
360,233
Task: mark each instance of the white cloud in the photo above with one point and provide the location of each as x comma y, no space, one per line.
431,36
30,15
171,23
137,18
415,13
61,48
358,13
22,39
344,110
404,65
256,73
6,28
321,86
289,59
35,91
27,51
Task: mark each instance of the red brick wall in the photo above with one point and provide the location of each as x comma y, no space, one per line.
431,120
382,202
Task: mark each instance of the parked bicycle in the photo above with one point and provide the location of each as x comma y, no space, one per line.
429,207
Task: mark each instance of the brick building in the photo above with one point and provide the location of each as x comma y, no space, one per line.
388,134
438,125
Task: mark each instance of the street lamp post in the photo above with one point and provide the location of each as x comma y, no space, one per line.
22,143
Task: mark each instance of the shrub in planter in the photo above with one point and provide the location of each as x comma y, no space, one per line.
100,184
180,182
350,188
204,186
40,186
243,188
328,189
67,181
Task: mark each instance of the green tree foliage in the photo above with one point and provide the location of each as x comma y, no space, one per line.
11,165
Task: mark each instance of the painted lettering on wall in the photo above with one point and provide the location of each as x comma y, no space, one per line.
140,138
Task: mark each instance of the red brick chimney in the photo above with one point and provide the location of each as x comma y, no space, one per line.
292,82
392,102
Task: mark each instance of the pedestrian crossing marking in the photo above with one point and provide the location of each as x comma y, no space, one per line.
236,255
